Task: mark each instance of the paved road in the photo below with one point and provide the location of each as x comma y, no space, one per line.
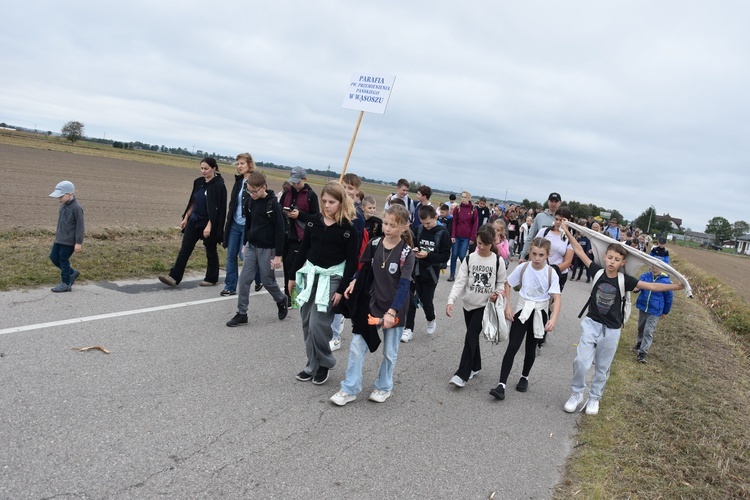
185,407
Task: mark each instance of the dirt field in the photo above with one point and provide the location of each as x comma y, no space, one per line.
731,269
127,194
114,193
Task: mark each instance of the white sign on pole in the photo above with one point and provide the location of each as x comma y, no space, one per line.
368,92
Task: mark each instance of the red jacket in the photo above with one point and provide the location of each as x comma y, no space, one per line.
465,221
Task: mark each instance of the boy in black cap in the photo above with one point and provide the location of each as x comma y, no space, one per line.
661,251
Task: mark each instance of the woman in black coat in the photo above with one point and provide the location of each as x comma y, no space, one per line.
203,219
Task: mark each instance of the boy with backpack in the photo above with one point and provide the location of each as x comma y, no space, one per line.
600,329
432,249
263,245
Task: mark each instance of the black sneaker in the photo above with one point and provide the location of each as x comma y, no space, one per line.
522,385
258,287
239,319
283,308
303,376
498,392
321,376
642,358
450,278
637,347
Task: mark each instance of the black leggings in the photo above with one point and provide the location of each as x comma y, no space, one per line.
517,331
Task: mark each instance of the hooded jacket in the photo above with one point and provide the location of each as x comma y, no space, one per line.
654,303
264,222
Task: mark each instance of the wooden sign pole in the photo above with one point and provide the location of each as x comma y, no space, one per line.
351,146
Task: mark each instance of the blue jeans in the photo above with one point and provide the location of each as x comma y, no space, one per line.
234,247
358,349
60,257
458,251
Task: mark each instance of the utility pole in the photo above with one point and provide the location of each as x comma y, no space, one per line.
651,215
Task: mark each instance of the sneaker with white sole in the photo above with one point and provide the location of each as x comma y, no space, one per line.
407,335
379,396
431,327
473,374
335,345
457,381
592,407
574,402
341,398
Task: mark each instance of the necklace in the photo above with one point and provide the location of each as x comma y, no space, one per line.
385,259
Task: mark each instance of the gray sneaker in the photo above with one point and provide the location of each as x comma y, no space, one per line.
74,276
61,287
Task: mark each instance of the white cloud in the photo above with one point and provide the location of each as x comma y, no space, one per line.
622,104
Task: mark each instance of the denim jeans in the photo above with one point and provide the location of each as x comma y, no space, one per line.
358,349
234,247
458,251
60,257
598,343
646,326
337,326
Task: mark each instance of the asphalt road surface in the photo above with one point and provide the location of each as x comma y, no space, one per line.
184,407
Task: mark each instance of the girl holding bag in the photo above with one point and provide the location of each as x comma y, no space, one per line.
480,278
538,285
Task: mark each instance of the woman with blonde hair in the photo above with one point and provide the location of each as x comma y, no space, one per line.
325,264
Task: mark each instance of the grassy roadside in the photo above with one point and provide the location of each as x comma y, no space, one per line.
678,427
107,255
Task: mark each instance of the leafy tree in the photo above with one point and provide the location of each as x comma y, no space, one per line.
73,131
740,228
720,228
646,220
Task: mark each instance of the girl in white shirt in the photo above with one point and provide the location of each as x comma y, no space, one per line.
539,285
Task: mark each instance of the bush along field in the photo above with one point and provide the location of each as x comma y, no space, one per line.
679,426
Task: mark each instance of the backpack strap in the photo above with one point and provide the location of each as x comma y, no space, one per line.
597,276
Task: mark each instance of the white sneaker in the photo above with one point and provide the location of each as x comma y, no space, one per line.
379,396
335,344
341,398
431,327
407,335
575,400
592,407
473,374
457,381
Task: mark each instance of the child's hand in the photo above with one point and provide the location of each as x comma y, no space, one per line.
350,289
508,313
449,310
276,262
493,297
336,299
549,326
77,248
389,321
291,286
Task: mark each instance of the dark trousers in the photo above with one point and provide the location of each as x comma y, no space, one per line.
289,256
425,290
60,257
193,234
517,331
471,358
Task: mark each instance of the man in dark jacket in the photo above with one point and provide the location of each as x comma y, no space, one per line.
300,204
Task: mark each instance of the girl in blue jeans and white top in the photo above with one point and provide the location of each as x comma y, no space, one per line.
392,263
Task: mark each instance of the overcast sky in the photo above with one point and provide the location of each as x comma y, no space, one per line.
624,104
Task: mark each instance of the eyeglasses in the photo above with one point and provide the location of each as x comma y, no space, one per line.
253,191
